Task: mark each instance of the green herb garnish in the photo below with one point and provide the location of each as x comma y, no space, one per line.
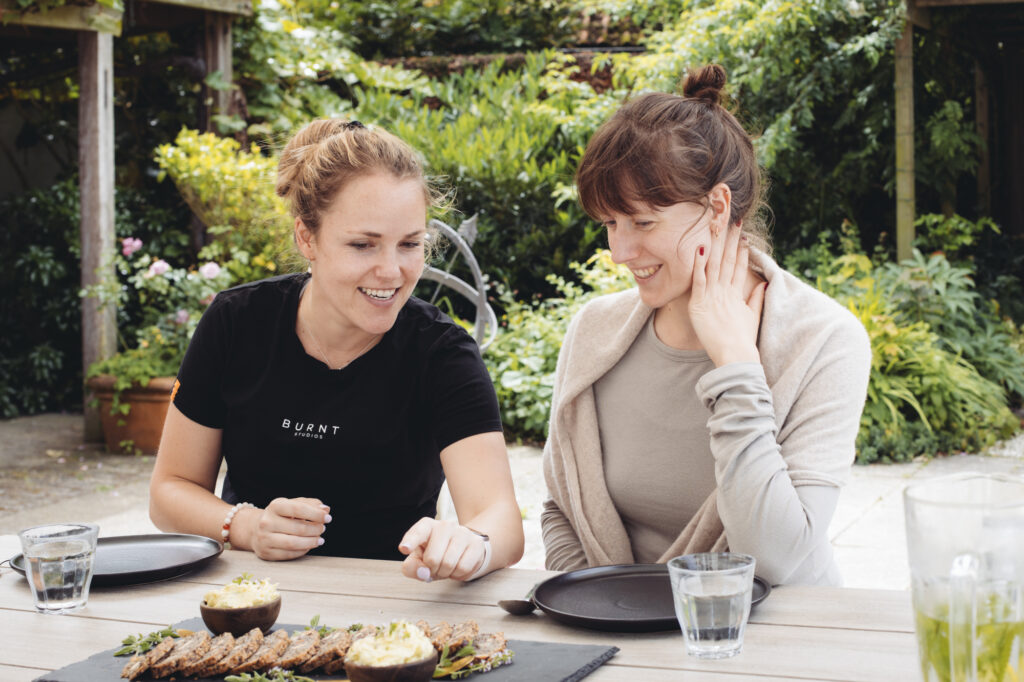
451,662
486,666
273,675
244,578
322,630
458,664
140,644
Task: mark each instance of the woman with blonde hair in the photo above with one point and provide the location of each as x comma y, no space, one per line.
717,403
340,401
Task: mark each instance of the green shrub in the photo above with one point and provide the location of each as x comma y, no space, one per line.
919,393
400,28
231,190
933,291
522,358
292,72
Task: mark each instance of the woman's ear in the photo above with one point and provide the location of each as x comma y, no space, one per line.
305,240
720,198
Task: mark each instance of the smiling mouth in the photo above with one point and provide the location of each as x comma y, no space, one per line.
379,294
645,273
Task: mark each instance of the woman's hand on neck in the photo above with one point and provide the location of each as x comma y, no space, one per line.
726,299
720,313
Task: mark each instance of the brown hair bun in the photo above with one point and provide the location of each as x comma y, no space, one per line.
705,84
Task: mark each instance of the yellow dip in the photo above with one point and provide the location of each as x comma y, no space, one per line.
401,642
242,592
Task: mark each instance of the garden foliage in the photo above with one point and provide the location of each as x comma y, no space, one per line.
171,301
945,366
522,359
813,80
231,191
40,350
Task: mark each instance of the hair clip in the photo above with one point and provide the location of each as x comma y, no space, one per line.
352,125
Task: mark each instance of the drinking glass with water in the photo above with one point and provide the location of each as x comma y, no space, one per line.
59,560
712,593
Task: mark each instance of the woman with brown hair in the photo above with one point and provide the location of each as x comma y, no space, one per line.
717,403
339,401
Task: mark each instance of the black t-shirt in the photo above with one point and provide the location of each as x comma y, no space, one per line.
365,439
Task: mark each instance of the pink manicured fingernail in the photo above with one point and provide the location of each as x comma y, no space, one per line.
423,573
405,547
327,519
319,541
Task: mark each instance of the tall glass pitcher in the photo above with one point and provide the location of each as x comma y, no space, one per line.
965,541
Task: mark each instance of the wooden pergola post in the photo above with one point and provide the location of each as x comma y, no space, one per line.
96,185
981,121
217,54
904,88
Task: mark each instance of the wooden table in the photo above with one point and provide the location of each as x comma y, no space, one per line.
798,633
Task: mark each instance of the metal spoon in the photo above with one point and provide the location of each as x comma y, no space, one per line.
520,607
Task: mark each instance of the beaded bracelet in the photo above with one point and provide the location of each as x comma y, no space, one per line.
225,529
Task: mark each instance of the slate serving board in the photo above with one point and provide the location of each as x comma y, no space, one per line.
533,661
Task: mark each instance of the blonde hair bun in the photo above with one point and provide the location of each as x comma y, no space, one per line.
705,84
326,154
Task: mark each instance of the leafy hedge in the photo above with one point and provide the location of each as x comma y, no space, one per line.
814,79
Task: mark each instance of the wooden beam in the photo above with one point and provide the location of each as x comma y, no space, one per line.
217,54
904,88
917,15
243,7
67,17
982,125
96,185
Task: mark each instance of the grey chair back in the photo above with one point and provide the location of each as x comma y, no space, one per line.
485,326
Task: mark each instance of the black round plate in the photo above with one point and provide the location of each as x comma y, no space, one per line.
132,559
625,598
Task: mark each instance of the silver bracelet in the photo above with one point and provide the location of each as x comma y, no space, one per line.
487,555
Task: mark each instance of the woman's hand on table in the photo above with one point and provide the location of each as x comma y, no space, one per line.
287,528
441,549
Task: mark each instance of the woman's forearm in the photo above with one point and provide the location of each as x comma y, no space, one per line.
762,511
182,506
563,550
502,523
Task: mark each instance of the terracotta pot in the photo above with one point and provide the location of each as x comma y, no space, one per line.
145,420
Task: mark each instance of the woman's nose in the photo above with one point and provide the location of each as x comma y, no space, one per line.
388,266
623,245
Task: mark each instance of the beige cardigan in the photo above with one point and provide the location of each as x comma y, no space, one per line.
816,358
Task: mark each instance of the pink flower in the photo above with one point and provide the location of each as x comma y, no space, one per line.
130,245
208,299
158,267
209,270
181,317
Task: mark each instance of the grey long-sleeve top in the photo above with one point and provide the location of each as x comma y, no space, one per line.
780,435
